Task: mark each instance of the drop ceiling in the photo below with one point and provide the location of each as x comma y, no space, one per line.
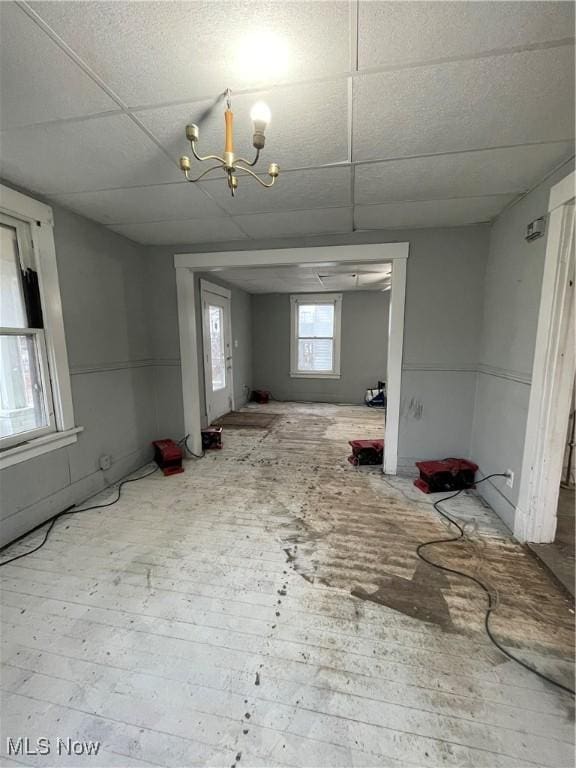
389,114
310,278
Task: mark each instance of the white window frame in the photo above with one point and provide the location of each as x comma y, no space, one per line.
37,220
331,299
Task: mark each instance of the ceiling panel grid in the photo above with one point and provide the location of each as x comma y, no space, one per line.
386,114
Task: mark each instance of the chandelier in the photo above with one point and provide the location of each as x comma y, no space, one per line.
231,165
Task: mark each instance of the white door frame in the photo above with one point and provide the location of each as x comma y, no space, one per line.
188,263
552,376
207,287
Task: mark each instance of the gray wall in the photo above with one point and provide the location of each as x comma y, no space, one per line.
442,336
163,316
363,349
443,322
510,316
470,328
102,280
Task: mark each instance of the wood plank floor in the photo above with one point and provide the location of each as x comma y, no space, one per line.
266,608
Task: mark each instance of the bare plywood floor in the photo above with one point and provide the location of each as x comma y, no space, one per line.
266,608
559,556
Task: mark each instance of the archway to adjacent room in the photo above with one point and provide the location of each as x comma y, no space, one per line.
187,264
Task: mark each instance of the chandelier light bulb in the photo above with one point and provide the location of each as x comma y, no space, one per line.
260,116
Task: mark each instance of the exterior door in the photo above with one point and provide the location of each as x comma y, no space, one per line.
216,325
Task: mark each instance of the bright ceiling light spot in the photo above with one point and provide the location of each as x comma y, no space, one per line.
260,113
262,56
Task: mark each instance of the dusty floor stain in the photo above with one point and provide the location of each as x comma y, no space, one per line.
420,597
403,676
354,530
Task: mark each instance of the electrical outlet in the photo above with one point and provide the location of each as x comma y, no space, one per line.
510,478
105,461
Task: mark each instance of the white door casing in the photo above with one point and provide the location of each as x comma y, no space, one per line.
552,376
217,349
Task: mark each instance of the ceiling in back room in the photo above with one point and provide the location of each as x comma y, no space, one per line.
310,278
384,114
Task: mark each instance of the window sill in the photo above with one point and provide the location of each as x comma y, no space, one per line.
38,446
298,375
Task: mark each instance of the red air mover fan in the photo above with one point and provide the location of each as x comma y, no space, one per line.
366,452
211,438
168,456
445,475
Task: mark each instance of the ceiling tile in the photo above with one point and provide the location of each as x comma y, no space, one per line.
314,222
32,71
249,274
308,127
271,286
511,99
295,279
180,232
155,203
367,269
398,33
99,153
155,52
319,188
466,174
259,287
430,213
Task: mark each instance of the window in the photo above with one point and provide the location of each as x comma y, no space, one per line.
217,352
315,340
35,400
26,405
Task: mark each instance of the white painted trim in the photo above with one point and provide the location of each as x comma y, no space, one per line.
287,256
185,263
552,376
43,370
207,286
315,375
335,299
45,256
505,373
395,332
222,293
189,357
38,446
431,367
39,217
562,192
23,207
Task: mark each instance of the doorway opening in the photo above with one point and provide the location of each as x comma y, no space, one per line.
559,556
389,336
551,393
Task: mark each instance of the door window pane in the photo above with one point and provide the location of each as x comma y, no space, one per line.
315,354
12,308
316,320
21,398
217,351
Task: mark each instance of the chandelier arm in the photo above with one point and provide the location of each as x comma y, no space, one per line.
208,170
208,157
247,162
258,179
